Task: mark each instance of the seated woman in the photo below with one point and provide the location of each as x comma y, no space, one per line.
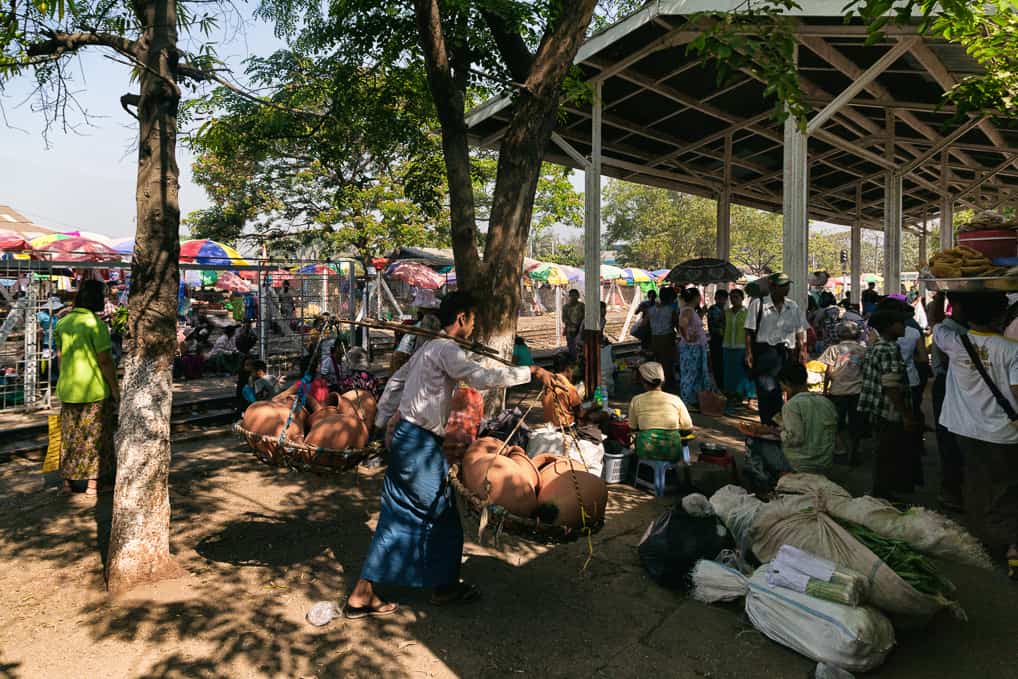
561,400
659,418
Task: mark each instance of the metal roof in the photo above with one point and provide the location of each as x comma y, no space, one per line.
665,118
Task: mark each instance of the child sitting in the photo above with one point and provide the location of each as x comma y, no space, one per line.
263,387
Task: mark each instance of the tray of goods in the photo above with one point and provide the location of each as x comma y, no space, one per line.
963,269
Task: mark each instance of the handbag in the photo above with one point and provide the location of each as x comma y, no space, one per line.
994,389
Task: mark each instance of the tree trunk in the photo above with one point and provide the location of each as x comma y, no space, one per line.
519,162
139,549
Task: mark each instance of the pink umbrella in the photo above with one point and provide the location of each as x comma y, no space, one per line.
280,275
231,282
415,274
76,249
11,240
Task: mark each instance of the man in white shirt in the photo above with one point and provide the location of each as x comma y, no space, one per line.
986,434
775,335
419,539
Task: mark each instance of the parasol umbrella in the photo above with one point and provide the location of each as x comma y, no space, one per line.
704,271
331,269
41,242
77,249
634,276
415,274
205,251
125,246
660,274
575,275
610,273
277,276
13,241
231,282
551,274
98,237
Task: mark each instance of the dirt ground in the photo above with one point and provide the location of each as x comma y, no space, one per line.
263,544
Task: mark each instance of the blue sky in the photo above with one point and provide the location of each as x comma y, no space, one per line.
86,178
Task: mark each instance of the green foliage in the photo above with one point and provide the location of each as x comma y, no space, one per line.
656,229
988,31
344,160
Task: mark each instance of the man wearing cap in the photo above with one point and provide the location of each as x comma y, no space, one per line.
775,335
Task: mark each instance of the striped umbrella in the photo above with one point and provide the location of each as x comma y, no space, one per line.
13,241
415,274
660,274
77,249
41,242
551,274
610,273
575,275
205,251
125,246
634,276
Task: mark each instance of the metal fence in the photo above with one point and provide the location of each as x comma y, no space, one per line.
284,309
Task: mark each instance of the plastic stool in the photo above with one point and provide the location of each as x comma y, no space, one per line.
659,472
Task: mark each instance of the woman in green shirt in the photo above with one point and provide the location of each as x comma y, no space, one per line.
88,392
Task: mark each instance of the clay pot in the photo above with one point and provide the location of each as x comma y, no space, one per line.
268,419
558,491
364,403
318,415
544,459
337,431
511,485
519,456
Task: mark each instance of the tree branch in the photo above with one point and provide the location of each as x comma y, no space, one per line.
511,45
127,100
196,74
61,43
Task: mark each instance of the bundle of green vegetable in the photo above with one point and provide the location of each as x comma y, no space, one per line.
910,565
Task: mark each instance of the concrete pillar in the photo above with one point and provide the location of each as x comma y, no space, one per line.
592,249
892,233
923,255
794,209
724,221
855,252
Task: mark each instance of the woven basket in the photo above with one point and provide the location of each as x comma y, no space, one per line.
307,458
501,520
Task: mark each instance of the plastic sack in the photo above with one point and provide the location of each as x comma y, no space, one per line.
927,531
854,638
803,522
545,440
590,454
675,541
737,510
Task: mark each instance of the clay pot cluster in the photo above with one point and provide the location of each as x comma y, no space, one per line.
342,422
543,487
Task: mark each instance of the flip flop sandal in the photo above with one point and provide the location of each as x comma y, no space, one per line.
358,612
464,594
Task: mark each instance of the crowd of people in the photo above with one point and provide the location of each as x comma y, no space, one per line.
828,376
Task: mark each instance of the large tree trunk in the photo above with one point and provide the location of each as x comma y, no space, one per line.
520,155
139,549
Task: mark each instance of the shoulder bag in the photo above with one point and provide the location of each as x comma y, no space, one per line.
994,389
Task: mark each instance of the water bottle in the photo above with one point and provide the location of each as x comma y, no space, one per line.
600,396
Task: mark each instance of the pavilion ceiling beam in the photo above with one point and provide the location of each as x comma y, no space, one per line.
861,82
570,150
936,68
674,38
1008,160
833,56
887,103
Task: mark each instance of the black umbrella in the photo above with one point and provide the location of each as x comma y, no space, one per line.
704,271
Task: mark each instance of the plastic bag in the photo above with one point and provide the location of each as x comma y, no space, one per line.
675,541
465,417
798,520
924,529
854,638
737,510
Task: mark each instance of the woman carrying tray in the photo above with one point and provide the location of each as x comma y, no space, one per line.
419,538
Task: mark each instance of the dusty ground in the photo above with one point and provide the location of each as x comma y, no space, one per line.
262,545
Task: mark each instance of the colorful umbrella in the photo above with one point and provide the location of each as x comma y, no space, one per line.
76,249
277,277
575,275
551,274
660,274
331,269
125,246
40,242
704,271
610,273
13,241
415,274
205,251
634,276
98,237
231,282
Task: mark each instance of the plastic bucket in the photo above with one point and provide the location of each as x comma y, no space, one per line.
616,467
991,242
